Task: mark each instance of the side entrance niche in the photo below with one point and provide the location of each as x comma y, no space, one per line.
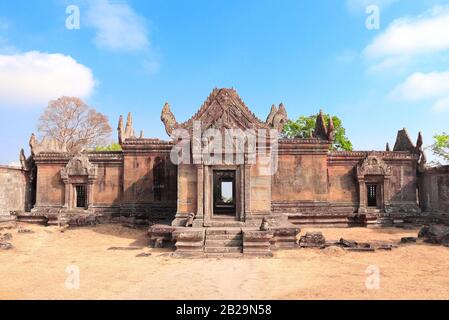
79,176
373,177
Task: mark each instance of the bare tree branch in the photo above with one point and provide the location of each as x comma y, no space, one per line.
73,123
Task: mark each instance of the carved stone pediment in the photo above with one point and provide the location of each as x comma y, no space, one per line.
223,109
45,145
373,165
79,166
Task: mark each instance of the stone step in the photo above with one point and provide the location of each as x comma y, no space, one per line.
223,243
223,231
225,223
224,255
224,237
223,249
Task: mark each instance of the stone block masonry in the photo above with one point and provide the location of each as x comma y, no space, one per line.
13,191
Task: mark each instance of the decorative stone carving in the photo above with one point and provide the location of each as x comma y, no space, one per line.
403,142
125,132
373,165
273,112
419,150
79,166
223,109
26,163
280,119
277,117
374,170
265,226
331,130
78,170
46,145
168,119
320,131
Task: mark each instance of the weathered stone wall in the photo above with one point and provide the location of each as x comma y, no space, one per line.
187,189
260,182
149,184
403,183
14,190
434,190
50,188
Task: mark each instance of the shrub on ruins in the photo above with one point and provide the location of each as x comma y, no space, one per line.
73,124
112,147
304,126
440,147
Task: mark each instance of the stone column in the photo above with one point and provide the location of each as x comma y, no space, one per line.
386,191
66,193
247,191
206,195
90,194
200,195
362,195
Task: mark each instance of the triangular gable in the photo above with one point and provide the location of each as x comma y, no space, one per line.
403,142
224,109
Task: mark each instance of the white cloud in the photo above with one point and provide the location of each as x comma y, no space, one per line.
433,86
427,33
441,105
420,86
118,26
33,78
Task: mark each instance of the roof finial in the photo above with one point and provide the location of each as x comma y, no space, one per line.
331,130
120,130
320,127
129,131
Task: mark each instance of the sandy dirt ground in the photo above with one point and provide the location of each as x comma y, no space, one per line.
44,264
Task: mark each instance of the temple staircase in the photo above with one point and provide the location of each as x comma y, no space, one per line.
223,242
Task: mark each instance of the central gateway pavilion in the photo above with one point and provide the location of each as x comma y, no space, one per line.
230,198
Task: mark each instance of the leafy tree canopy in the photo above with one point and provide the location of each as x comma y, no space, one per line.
440,146
305,125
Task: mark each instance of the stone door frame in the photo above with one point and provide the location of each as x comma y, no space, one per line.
373,170
207,196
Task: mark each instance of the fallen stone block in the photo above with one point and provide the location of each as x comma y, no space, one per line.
5,246
6,237
435,234
408,240
143,254
126,248
360,249
348,243
312,239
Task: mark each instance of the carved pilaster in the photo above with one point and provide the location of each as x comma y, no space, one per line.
200,192
207,195
247,191
90,194
362,195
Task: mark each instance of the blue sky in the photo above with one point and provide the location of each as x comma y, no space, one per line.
310,55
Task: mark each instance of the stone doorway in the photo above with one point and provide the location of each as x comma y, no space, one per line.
373,196
224,193
81,196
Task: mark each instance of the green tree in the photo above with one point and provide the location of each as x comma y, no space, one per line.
440,146
304,127
112,147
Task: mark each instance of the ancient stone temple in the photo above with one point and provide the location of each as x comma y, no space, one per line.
226,181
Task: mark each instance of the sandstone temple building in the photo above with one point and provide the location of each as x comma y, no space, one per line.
282,182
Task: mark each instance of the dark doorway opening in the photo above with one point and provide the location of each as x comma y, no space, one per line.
80,196
372,190
224,192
